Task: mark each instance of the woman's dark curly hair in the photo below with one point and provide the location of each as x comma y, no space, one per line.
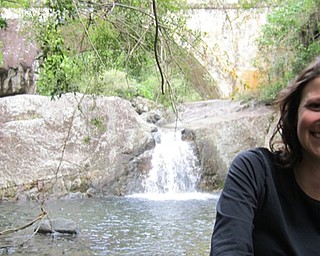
288,101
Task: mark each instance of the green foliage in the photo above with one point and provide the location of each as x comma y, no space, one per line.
149,88
56,66
3,23
88,47
180,92
269,93
248,4
61,10
108,82
290,40
15,3
87,140
97,122
286,22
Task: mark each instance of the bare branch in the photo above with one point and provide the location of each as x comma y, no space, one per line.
40,217
154,7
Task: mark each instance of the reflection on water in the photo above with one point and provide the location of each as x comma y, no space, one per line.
115,226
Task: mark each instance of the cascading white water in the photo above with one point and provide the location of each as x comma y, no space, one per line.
174,165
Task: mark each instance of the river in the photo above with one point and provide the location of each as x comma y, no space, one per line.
169,218
115,226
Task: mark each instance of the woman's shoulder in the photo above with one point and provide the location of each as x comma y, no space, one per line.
259,154
256,163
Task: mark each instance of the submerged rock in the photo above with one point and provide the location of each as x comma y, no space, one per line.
60,225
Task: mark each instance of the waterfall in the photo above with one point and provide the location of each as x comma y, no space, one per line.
175,167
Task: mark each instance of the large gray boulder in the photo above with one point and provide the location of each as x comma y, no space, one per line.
90,144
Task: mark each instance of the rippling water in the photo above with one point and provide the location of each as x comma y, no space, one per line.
115,226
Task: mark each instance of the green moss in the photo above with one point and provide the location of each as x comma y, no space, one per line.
87,140
97,122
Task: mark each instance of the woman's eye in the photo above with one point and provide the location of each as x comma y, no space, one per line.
314,106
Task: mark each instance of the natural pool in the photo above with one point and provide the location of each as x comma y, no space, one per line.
135,225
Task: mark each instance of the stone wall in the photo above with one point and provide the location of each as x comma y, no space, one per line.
229,46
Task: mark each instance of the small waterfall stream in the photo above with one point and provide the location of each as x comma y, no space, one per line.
175,168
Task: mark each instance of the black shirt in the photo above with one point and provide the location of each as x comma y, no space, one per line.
263,211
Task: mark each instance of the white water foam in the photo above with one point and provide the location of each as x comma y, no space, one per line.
175,170
175,196
175,167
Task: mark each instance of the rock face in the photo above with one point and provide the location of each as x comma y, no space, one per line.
221,129
16,81
80,145
17,41
19,53
76,143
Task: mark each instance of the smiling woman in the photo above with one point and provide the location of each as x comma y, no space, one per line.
271,198
308,131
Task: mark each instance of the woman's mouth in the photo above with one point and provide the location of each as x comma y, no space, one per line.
316,134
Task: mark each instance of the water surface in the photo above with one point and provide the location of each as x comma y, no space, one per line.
115,226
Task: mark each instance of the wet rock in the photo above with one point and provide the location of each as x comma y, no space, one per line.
142,105
187,135
59,225
152,112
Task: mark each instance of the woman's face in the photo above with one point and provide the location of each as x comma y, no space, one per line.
308,126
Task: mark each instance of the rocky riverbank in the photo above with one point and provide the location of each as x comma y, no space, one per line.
83,145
